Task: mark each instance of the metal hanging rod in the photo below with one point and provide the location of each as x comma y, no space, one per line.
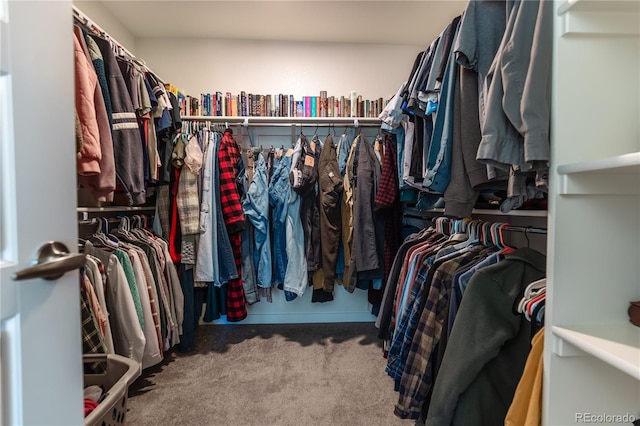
525,229
287,121
507,227
90,25
85,212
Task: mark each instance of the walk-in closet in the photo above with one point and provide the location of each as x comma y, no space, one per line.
320,212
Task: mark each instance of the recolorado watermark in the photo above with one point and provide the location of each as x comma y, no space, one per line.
597,418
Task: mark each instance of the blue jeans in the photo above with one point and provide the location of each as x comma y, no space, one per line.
296,278
248,268
256,209
278,190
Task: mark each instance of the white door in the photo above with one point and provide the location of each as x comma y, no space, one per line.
40,340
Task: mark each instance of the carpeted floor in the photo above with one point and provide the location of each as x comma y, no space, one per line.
270,375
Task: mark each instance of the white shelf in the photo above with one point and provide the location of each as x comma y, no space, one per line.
622,164
616,344
607,176
601,6
599,17
250,121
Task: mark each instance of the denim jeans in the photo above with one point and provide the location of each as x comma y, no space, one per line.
256,209
248,267
296,278
278,190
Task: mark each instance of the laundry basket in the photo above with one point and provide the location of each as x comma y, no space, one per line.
119,375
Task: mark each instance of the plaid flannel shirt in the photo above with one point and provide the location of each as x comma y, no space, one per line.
410,314
388,192
228,156
417,378
92,342
236,302
188,202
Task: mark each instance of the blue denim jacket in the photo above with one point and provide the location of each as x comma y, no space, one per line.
343,148
278,187
256,209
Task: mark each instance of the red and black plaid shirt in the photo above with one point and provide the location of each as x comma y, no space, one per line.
228,156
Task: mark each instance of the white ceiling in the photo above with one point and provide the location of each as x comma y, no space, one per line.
388,21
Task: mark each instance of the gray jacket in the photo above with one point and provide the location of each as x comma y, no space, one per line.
516,131
365,255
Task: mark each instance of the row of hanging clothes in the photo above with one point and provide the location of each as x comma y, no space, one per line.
458,315
245,222
473,116
126,120
131,296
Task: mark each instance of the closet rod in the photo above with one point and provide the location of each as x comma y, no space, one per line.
525,229
90,25
287,121
510,228
115,209
85,212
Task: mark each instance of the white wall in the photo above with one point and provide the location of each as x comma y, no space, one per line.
105,20
299,68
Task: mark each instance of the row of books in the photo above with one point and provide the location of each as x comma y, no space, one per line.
280,105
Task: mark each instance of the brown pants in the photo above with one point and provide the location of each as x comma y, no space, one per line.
330,218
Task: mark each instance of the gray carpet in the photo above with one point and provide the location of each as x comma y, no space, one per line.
270,375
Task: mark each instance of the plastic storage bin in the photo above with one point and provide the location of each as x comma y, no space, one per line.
120,374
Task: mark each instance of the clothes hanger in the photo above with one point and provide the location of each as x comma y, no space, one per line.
471,230
505,248
100,238
494,238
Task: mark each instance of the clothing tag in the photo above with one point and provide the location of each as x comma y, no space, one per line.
289,153
279,153
309,161
331,174
313,146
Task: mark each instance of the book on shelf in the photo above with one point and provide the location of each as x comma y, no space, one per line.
234,105
331,106
307,106
279,105
322,109
353,99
